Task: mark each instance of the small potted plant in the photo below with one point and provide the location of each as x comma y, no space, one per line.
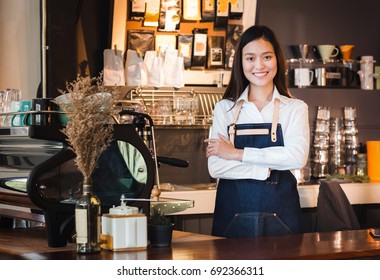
160,229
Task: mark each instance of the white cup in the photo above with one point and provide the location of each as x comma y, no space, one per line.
303,77
327,51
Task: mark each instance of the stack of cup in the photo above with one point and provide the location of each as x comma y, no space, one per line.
321,143
351,139
336,148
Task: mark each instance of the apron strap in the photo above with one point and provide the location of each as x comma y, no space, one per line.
276,111
232,129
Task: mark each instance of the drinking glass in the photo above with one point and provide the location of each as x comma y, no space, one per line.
181,109
193,109
165,110
9,96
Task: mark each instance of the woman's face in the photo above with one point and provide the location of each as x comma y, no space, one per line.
259,63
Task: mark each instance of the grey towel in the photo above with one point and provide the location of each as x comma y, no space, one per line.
334,211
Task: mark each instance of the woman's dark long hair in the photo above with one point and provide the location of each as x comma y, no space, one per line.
238,81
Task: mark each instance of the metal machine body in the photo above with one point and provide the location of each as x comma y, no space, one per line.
52,183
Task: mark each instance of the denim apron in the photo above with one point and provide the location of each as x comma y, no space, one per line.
248,207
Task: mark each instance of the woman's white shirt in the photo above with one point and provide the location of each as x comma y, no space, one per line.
257,163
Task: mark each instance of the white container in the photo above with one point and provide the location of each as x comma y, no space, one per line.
124,228
366,72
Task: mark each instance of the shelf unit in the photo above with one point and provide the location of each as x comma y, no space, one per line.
150,99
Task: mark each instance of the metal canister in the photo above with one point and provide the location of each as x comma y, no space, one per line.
320,74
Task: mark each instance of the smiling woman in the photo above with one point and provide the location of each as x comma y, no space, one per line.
259,133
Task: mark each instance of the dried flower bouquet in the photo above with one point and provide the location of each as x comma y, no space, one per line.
89,131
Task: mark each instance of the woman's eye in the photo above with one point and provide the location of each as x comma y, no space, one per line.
267,57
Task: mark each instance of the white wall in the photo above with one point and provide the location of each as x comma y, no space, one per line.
20,46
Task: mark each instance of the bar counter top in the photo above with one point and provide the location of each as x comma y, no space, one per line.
204,199
358,244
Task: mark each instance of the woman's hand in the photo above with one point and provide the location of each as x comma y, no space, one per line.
223,148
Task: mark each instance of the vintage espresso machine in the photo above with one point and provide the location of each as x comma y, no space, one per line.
52,182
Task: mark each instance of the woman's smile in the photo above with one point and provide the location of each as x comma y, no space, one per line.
260,74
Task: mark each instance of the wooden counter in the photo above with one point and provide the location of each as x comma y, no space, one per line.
204,199
32,244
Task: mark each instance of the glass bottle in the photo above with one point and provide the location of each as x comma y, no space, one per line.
87,220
